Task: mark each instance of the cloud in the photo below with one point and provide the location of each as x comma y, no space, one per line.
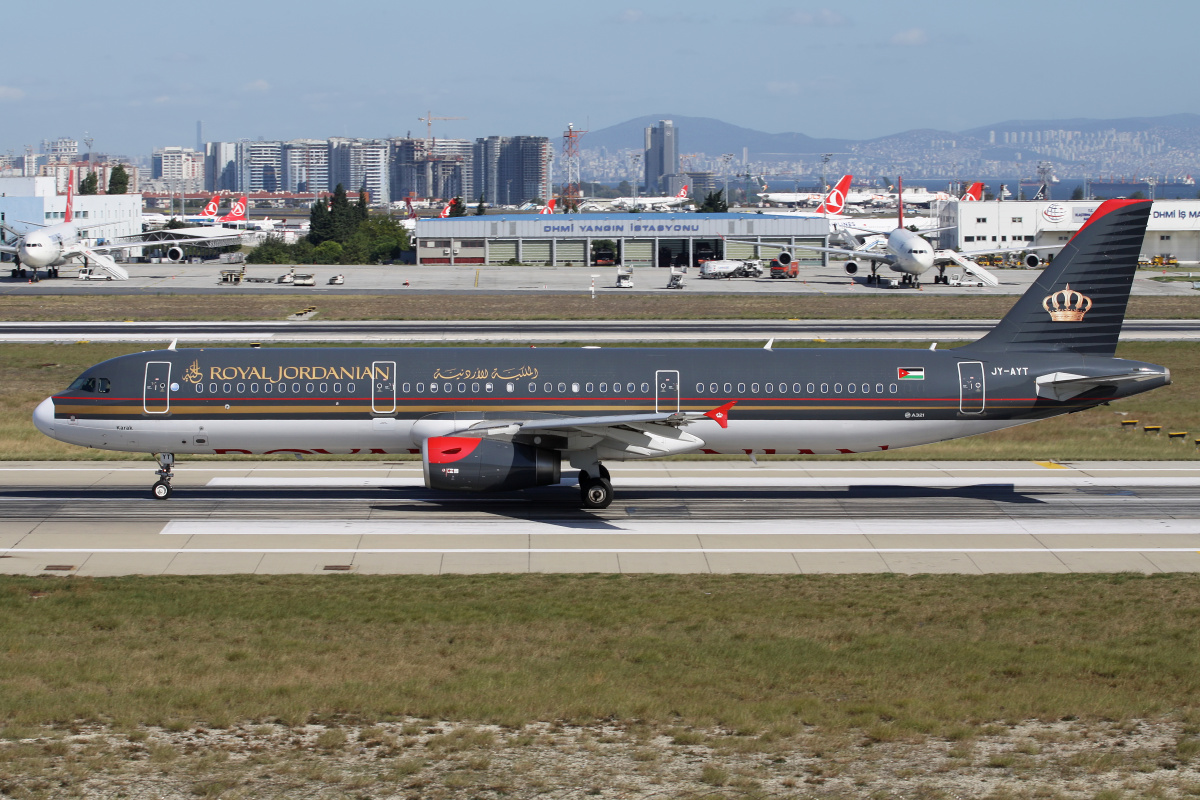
783,88
821,18
11,93
257,86
632,16
913,37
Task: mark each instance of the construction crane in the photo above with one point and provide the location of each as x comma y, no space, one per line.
429,156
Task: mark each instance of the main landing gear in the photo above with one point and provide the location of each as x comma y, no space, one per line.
595,491
162,487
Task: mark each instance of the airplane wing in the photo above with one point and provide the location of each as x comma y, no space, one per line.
8,248
654,434
1065,385
973,253
196,240
868,253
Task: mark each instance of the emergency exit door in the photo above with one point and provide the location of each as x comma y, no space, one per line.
970,387
383,387
666,393
156,390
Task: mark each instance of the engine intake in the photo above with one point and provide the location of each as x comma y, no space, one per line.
784,258
462,463
175,254
851,267
1032,260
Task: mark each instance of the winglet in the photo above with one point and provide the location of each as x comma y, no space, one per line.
769,343
720,414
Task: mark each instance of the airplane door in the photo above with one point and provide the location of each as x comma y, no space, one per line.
666,398
383,387
970,387
156,394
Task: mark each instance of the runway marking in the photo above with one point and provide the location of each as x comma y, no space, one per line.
1052,465
749,481
595,550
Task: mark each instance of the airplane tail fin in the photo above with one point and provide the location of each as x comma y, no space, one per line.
1078,302
445,212
899,201
412,212
975,192
835,201
237,212
549,207
70,196
211,207
682,193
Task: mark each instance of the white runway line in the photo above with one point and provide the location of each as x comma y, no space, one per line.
756,481
569,550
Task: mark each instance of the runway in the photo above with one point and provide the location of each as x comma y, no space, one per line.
547,331
96,518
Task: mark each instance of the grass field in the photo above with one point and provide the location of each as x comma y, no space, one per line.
29,373
894,655
540,306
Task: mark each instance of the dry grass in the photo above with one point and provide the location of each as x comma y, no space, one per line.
899,658
29,373
541,306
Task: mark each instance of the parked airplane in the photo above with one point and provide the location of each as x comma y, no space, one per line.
650,203
493,419
49,247
834,202
208,214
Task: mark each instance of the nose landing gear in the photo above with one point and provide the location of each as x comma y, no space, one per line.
162,487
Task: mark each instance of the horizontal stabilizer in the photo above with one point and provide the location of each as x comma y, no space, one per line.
1065,385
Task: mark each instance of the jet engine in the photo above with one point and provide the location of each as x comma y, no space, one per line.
851,267
784,258
175,254
1032,260
487,465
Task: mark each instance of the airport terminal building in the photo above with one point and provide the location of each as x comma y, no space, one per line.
1174,227
630,239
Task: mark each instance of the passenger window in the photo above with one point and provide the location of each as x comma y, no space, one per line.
487,387
754,388
404,388
350,388
562,388
645,388
199,388
474,388
699,388
741,388
241,388
337,388
837,388
533,388
268,388
770,387
462,388
824,388
295,388
308,388
433,388
603,388
254,388
511,388
226,388
575,388
879,388
549,387
851,388
588,388
324,388
420,388
728,388
631,388
811,388
712,387
892,388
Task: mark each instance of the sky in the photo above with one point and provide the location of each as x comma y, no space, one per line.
138,75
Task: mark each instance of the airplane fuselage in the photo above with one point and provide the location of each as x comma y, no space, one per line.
43,247
390,400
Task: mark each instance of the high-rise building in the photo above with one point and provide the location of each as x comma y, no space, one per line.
306,165
260,166
438,168
220,167
361,164
511,170
176,164
64,149
662,155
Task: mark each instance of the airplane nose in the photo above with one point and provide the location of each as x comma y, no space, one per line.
43,417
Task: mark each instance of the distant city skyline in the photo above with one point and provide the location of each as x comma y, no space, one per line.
285,71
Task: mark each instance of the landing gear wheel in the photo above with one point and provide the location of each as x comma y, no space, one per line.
596,493
604,473
161,490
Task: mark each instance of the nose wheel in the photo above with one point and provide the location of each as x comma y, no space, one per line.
161,490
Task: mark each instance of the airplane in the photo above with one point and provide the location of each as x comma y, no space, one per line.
207,214
649,203
500,419
910,254
841,191
218,232
49,247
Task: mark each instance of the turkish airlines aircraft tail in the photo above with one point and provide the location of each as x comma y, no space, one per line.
412,212
682,193
70,195
549,207
835,201
237,212
211,207
445,212
974,192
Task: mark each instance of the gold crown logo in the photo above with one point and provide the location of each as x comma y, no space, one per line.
1067,305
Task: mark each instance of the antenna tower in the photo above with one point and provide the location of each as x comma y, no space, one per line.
572,193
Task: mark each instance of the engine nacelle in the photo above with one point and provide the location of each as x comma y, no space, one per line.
175,254
784,258
1032,260
463,463
851,267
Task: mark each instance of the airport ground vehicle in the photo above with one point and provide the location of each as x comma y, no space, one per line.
791,269
727,268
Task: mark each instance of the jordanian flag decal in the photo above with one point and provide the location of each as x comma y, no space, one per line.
910,373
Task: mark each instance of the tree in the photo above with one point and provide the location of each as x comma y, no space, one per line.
343,216
320,224
1077,194
457,208
1138,195
174,223
361,207
329,252
714,203
90,184
479,209
118,180
624,188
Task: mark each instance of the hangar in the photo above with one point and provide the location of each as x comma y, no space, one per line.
1173,229
601,239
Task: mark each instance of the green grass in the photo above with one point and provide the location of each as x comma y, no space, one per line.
31,372
901,656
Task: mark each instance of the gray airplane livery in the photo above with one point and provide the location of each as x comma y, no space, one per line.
496,419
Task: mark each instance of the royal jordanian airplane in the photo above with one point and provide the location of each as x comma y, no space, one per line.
498,419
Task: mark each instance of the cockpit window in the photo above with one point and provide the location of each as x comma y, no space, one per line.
90,384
